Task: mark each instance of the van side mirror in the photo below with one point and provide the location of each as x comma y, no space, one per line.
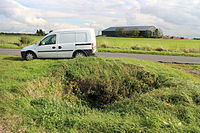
41,43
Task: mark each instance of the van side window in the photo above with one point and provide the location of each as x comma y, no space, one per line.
49,40
67,38
81,37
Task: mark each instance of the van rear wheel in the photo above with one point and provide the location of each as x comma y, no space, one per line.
79,54
30,56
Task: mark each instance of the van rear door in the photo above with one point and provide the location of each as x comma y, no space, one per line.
83,41
66,45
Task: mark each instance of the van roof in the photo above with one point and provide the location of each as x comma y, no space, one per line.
77,29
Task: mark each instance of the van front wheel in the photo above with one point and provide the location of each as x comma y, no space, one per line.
30,56
79,54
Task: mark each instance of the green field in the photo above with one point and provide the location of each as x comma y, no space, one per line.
98,95
128,45
149,42
6,41
16,38
149,46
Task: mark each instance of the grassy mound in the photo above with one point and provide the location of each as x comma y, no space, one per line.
97,95
101,81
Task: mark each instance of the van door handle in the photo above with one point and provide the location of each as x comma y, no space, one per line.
53,47
59,47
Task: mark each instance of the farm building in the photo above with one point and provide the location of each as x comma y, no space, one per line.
142,31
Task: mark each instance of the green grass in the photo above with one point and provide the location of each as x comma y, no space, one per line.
49,96
149,46
16,38
128,42
7,41
121,50
191,69
11,46
153,43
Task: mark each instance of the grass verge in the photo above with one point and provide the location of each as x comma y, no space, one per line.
55,96
11,46
120,50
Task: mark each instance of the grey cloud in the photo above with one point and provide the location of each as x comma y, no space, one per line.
175,17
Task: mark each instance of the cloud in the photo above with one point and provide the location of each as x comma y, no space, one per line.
181,16
17,12
175,17
23,19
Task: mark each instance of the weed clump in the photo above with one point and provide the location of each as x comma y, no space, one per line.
135,47
26,40
146,48
108,81
104,46
160,49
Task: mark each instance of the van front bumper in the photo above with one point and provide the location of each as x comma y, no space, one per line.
23,54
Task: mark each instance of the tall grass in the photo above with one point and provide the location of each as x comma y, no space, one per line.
55,96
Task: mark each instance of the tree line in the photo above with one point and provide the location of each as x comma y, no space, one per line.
39,32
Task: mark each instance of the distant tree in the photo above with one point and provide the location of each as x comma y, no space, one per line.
134,33
196,38
50,31
148,34
40,32
37,32
120,32
157,33
161,32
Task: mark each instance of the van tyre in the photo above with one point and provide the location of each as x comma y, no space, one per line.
79,54
30,56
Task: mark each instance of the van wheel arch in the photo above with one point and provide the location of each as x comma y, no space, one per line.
34,54
79,51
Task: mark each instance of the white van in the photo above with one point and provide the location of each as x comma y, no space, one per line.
68,43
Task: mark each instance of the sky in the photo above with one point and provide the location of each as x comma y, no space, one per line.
174,17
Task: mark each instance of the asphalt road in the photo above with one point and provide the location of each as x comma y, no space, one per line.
146,57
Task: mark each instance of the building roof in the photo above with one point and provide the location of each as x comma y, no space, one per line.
140,28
